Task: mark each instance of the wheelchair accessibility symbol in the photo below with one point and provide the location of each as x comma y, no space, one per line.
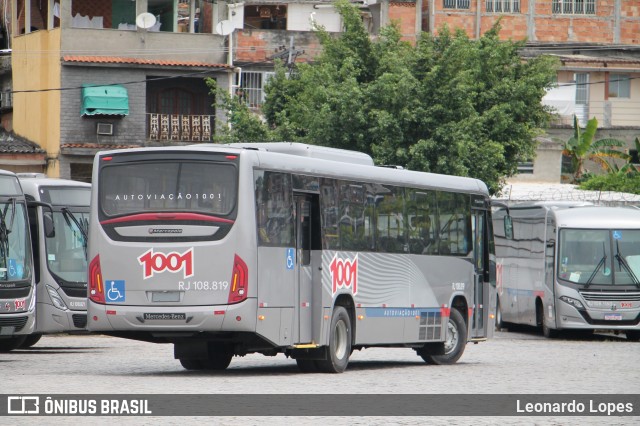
291,258
115,291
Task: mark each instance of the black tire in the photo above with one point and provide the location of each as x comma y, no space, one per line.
218,360
192,364
339,349
11,343
31,340
632,335
547,331
307,365
500,326
455,343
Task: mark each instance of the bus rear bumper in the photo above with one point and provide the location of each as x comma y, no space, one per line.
237,317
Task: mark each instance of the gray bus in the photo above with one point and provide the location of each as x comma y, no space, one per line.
286,248
568,266
58,217
17,289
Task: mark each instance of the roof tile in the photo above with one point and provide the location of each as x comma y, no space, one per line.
139,61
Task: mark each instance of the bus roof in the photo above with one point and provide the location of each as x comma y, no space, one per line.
599,217
39,181
306,165
311,151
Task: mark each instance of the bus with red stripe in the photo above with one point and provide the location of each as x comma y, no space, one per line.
17,286
286,248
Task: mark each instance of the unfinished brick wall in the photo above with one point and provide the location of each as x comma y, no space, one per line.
405,15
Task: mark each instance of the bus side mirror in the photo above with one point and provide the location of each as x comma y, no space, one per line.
508,227
49,228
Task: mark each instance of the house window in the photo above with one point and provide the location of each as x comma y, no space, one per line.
499,6
265,17
619,86
457,4
525,167
574,7
251,88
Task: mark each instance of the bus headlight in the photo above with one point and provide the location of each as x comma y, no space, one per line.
56,299
573,302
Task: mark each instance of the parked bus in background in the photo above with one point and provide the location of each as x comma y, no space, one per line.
568,266
286,248
58,218
17,288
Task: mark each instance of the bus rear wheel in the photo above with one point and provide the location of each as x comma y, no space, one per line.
455,341
218,360
192,364
339,349
11,343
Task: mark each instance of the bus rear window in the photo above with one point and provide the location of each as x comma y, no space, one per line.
203,187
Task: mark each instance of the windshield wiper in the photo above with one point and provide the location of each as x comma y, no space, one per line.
595,271
67,214
623,262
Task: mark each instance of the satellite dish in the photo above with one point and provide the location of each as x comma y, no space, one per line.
224,27
145,20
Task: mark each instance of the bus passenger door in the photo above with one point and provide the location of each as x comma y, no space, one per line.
481,289
304,238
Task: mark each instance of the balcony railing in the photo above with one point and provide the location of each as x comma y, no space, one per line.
180,127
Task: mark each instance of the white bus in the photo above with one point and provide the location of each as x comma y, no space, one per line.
17,288
58,217
568,266
273,248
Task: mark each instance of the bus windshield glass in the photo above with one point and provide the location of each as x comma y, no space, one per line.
600,257
15,248
66,255
159,186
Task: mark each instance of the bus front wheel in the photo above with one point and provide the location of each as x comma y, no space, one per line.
31,340
454,343
632,335
339,349
11,343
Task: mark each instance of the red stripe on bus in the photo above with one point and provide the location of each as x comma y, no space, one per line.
445,312
165,216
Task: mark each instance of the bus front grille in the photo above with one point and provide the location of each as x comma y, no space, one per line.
611,296
15,293
79,320
17,322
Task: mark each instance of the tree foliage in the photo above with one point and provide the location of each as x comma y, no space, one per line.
583,146
447,104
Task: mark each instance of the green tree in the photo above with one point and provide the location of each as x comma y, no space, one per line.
447,104
582,147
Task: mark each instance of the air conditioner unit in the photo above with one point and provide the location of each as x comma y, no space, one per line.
104,129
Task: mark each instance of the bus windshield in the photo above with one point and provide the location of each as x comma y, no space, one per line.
600,257
157,186
66,256
15,248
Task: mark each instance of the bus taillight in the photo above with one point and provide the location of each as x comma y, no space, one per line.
96,287
239,281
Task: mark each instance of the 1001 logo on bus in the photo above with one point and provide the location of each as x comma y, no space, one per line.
173,262
344,274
